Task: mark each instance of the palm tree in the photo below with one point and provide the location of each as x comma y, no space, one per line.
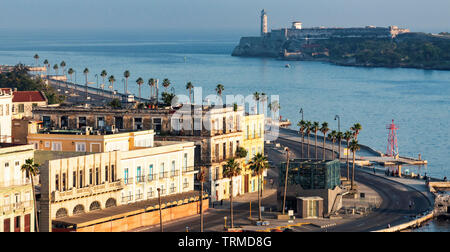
70,73
36,57
348,136
126,74
274,107
356,128
47,65
151,83
111,80
103,74
263,99
332,136
315,129
166,84
256,97
140,81
302,125
63,65
308,128
189,87
257,165
31,169
86,72
55,67
219,89
201,177
339,136
354,147
324,129
231,169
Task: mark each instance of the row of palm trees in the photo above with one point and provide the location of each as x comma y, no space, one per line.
232,169
350,136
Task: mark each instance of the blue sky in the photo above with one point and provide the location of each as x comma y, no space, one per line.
207,15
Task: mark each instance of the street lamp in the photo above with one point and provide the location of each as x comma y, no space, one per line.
301,111
160,212
286,177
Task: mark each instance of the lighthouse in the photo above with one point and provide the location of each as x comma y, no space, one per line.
263,23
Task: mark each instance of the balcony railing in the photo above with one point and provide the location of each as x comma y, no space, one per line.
140,179
185,185
126,199
87,191
163,175
15,182
139,196
188,169
174,173
128,181
152,177
172,189
150,194
16,206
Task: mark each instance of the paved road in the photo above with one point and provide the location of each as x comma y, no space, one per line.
394,208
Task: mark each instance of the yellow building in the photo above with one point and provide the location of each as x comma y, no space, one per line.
88,140
16,194
253,142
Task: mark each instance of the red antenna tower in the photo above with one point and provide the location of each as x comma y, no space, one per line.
392,148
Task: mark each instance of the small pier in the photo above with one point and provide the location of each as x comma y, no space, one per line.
441,191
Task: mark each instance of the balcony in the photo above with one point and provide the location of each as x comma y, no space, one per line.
21,206
87,191
139,196
152,177
188,169
150,194
185,185
163,175
126,199
128,181
140,179
174,173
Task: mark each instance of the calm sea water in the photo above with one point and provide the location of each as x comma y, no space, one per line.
418,100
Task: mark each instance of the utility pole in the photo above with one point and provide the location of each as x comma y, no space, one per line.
285,180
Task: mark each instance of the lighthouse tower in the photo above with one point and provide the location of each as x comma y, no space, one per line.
263,23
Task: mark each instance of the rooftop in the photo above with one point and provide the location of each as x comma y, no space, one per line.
28,96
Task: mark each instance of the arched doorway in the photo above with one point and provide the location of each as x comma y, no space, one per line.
111,202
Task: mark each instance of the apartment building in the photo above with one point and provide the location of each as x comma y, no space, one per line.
5,115
16,194
75,183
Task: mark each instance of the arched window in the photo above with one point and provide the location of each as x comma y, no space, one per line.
62,212
94,206
110,203
78,209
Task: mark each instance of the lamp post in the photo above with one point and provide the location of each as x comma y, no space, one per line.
336,117
301,112
160,212
286,177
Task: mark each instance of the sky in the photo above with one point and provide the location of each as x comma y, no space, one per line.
220,15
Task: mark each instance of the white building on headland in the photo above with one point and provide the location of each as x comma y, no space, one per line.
5,115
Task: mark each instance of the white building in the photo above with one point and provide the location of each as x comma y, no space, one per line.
5,115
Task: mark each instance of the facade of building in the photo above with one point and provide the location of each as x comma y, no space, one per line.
5,115
25,101
88,140
76,183
16,193
22,127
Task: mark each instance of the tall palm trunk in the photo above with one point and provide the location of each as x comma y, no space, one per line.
231,204
303,142
332,150
339,150
348,165
353,170
324,137
308,146
35,205
259,197
315,146
201,206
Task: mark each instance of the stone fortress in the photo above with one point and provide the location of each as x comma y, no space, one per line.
274,43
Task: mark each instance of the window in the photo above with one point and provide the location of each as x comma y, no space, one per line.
97,176
113,172
224,150
161,170
106,173
173,169
138,174
101,122
7,109
126,175
138,123
90,176
74,179
57,182
63,181
6,164
185,161
150,172
81,179
21,108
46,121
56,146
82,122
80,147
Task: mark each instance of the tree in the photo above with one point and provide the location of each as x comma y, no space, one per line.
86,72
339,136
31,169
257,165
356,128
256,97
63,65
302,125
166,84
348,136
315,129
36,57
324,129
308,127
230,170
168,98
241,152
201,177
111,80
70,72
219,89
126,74
55,67
151,83
263,99
274,107
115,103
103,74
189,87
332,138
47,65
140,81
354,147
